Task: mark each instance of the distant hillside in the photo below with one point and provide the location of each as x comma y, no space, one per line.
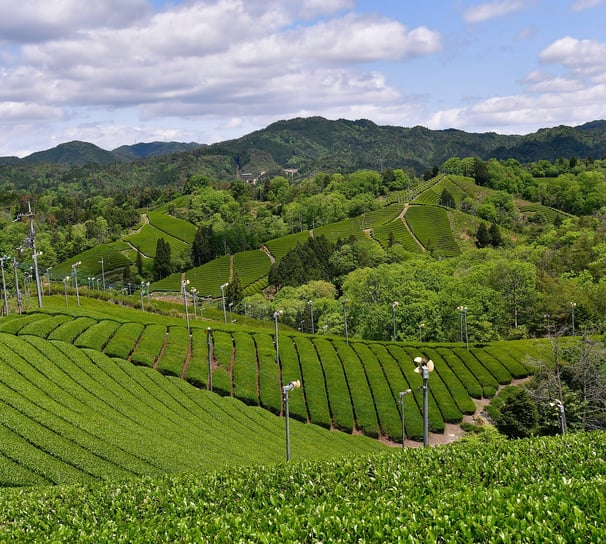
317,143
308,145
76,153
72,154
153,149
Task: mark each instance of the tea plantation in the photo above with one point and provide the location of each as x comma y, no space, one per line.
533,490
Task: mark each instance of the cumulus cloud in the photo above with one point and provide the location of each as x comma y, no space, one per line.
587,56
39,20
181,60
526,112
491,10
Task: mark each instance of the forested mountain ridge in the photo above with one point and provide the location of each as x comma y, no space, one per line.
312,144
77,153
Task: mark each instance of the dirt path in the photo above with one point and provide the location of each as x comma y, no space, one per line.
453,432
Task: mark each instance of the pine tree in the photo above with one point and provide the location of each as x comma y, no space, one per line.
139,263
495,235
233,293
483,236
162,264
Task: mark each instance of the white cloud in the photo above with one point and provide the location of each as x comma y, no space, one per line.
586,56
40,20
525,113
22,112
580,5
491,10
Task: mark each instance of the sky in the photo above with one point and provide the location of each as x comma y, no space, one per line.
119,72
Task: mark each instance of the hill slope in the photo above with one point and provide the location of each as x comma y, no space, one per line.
71,415
311,144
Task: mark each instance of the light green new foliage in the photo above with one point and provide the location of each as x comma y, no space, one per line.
534,490
177,228
70,415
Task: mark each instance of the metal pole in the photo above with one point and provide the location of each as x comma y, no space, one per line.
285,390
75,272
49,278
345,321
65,280
5,296
18,292
287,424
35,255
402,395
210,359
223,297
394,305
466,334
311,309
184,284
425,406
102,273
276,315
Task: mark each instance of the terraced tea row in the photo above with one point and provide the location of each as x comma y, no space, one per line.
72,415
539,490
352,386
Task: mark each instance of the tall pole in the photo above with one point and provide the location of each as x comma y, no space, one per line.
572,307
49,278
311,309
102,273
460,308
394,305
223,297
19,297
277,314
424,367
210,358
402,395
65,280
562,414
345,321
75,273
285,390
184,284
425,406
30,241
5,296
466,333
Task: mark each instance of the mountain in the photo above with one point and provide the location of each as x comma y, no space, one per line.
308,145
73,153
77,153
152,149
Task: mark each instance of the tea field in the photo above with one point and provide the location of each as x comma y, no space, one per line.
351,385
525,491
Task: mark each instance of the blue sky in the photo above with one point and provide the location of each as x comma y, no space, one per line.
118,72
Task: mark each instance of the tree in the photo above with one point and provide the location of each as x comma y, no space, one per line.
482,236
517,282
139,263
203,246
162,263
514,412
233,293
496,239
446,199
